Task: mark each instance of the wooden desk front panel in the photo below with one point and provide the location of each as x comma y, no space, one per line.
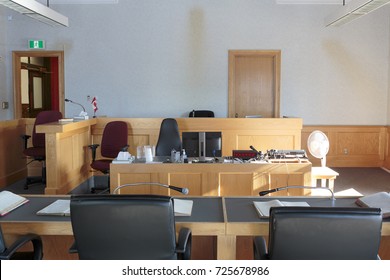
212,179
67,155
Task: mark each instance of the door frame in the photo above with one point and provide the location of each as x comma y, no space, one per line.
275,54
16,63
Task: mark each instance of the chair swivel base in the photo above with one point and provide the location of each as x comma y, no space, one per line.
100,190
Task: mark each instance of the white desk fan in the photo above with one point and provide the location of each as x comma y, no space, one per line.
318,145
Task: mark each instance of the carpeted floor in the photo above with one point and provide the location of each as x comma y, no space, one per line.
364,180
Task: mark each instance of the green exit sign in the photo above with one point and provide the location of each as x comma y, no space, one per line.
36,44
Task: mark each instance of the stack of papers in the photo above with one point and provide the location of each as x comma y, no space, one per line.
60,207
263,207
10,201
182,207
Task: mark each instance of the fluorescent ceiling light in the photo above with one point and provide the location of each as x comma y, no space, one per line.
37,11
83,1
354,10
309,1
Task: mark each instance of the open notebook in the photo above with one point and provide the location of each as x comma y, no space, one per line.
377,200
10,201
263,207
61,207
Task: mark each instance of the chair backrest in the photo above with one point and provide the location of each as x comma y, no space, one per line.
115,138
169,138
38,139
319,233
201,114
123,226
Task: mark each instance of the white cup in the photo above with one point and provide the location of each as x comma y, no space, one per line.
140,152
148,151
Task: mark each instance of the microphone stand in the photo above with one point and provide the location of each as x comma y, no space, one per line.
83,113
181,190
262,193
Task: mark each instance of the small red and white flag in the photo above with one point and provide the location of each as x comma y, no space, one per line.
94,104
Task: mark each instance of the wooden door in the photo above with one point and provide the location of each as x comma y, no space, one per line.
254,83
54,82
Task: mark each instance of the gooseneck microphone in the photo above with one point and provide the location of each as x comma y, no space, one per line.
262,193
178,189
68,100
253,149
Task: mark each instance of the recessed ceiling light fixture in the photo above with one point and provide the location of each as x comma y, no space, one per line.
37,11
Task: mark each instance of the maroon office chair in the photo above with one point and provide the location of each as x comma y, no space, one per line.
37,152
114,140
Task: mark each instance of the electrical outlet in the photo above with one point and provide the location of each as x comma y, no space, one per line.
5,105
345,151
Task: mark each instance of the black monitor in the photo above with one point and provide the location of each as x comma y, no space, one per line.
202,144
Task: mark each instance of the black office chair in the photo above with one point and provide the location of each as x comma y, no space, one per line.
201,114
12,252
169,138
114,140
321,233
38,150
127,227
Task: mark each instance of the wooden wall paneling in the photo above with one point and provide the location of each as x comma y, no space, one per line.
351,146
387,149
12,161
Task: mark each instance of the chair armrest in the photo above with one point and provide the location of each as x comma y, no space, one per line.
259,248
183,248
37,247
93,148
25,138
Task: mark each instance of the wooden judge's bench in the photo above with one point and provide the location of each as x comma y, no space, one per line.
68,157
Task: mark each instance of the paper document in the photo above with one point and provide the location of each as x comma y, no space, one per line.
263,207
60,207
182,207
10,201
377,200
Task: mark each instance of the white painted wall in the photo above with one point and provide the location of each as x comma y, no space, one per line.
153,58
